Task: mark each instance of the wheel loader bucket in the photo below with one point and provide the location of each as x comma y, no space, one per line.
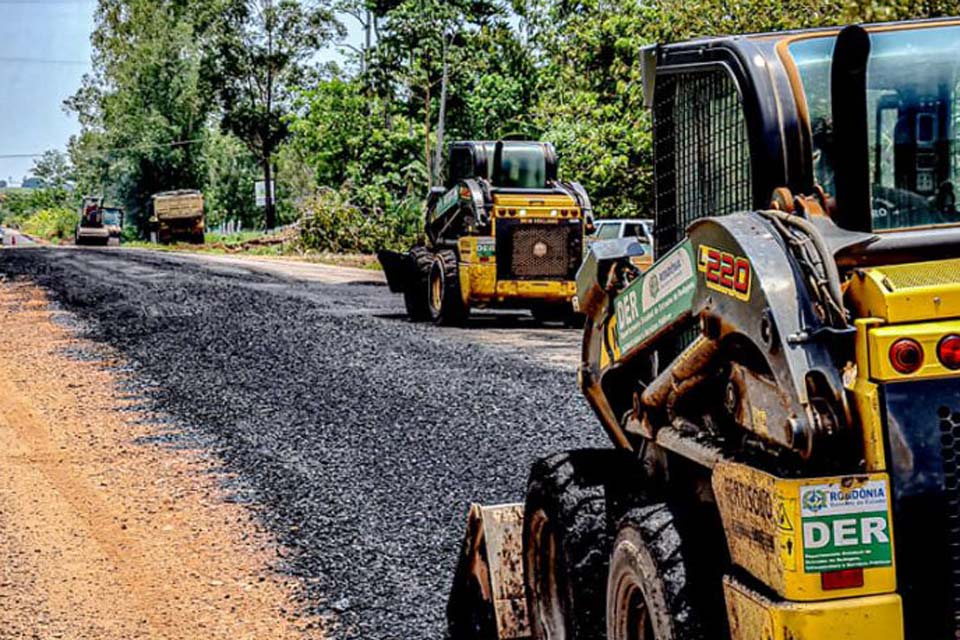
399,269
488,600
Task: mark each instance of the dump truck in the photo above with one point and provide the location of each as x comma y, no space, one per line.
782,387
177,215
502,231
98,224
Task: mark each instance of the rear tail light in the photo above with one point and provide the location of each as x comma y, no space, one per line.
949,351
844,579
906,355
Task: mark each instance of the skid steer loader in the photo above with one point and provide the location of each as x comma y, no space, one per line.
782,387
502,232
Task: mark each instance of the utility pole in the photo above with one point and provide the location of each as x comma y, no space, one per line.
270,212
441,119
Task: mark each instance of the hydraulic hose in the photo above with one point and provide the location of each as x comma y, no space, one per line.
826,257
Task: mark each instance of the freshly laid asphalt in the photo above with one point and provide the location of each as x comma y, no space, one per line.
358,437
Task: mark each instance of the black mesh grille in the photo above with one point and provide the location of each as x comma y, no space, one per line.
532,251
950,450
701,152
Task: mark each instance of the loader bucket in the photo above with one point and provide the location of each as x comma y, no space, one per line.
487,601
399,269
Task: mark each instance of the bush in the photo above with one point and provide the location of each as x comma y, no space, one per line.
331,222
51,224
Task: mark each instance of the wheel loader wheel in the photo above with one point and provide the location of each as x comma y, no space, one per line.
443,292
566,544
415,294
648,592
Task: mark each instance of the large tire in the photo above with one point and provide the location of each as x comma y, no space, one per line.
415,295
551,312
561,312
443,291
566,544
649,590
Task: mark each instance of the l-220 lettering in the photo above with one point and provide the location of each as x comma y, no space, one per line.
725,272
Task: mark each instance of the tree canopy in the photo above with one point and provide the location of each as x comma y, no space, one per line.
214,94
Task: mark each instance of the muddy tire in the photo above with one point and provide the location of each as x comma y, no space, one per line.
415,295
443,291
566,545
649,595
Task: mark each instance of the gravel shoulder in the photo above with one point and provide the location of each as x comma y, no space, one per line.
103,533
359,438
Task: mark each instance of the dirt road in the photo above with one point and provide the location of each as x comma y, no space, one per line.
104,533
358,438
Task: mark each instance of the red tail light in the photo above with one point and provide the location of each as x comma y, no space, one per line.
906,355
844,579
949,351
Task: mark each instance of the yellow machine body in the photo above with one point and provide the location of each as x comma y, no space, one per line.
755,617
479,282
763,515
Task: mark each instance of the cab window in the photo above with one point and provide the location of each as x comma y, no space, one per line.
913,95
608,231
523,167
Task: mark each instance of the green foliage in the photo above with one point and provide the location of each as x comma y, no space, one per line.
17,205
144,108
371,162
262,47
51,224
212,94
53,169
231,171
331,222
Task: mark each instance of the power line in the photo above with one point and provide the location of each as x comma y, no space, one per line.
138,147
48,2
43,61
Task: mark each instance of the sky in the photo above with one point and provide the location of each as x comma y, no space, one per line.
44,52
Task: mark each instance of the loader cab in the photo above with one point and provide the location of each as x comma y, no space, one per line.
505,165
913,88
737,117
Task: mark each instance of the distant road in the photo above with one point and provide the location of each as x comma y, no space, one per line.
13,237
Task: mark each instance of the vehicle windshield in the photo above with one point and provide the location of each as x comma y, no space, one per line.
522,166
111,217
913,89
608,231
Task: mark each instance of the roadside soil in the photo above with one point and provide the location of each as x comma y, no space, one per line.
106,531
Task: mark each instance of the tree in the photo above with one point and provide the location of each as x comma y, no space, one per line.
145,107
53,169
426,53
264,48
